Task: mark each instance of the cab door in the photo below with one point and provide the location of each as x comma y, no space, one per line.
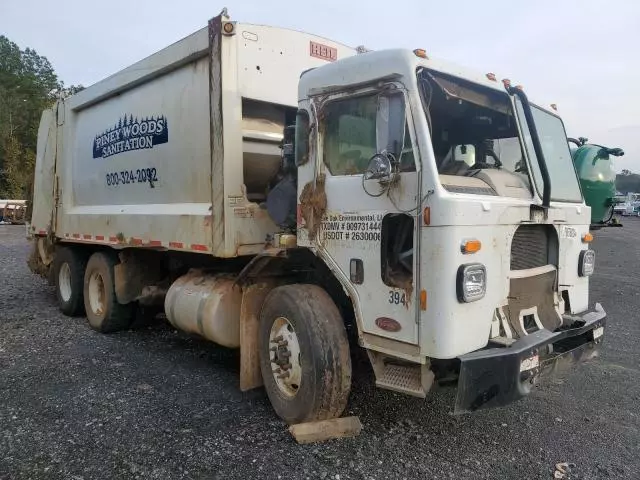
368,231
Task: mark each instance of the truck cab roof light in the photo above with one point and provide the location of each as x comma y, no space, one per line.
506,82
419,52
492,77
554,106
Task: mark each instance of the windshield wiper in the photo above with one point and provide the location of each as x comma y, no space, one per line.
537,146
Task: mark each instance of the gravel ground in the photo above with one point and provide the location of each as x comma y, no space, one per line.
155,403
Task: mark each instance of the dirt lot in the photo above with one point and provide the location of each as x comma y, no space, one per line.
155,403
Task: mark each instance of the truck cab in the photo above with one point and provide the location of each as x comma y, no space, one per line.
448,207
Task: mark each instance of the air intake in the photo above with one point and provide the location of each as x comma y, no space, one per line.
530,247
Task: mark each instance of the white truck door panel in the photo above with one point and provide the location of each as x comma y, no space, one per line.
364,224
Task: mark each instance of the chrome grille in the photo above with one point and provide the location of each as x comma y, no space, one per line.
530,247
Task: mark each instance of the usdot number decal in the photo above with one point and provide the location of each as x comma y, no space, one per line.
352,227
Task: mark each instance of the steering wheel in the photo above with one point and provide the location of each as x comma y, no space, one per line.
480,165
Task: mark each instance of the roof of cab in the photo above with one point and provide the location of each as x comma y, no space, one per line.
370,66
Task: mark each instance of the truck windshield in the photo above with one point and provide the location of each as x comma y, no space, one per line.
474,133
553,139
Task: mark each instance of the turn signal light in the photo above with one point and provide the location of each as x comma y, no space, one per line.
426,216
471,246
587,237
419,52
423,300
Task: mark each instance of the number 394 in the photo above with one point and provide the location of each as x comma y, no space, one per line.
397,298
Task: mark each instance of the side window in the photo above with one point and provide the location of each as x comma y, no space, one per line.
350,134
406,160
357,128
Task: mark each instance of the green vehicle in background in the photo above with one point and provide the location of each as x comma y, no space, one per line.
597,176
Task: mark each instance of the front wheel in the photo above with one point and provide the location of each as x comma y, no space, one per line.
304,354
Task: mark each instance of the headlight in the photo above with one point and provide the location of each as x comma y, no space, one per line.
587,263
472,282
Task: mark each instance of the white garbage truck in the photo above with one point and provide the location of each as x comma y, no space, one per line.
281,193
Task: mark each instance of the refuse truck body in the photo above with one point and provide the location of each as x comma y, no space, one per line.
281,193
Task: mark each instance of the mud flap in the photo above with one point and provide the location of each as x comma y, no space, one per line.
498,376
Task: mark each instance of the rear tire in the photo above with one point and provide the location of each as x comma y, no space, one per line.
68,277
314,377
104,312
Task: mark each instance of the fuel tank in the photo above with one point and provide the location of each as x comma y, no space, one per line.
207,305
594,165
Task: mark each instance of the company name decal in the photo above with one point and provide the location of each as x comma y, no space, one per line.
131,134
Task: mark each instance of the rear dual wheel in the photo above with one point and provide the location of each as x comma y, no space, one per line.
104,312
88,287
68,270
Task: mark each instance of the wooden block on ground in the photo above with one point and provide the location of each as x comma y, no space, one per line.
326,429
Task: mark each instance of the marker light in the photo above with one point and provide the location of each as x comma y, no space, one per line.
419,52
426,215
471,246
587,237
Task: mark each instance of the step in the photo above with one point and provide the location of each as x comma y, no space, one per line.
403,378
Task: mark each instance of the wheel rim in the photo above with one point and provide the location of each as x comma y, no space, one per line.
284,351
64,282
96,293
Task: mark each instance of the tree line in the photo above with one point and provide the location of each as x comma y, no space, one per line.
28,85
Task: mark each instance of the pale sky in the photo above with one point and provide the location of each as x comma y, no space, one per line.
582,55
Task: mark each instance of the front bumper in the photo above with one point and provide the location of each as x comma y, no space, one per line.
495,377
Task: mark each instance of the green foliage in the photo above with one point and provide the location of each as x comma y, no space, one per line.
28,85
628,182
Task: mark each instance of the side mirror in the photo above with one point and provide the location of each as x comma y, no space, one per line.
379,168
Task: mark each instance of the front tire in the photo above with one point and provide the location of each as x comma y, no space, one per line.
104,312
68,277
304,354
